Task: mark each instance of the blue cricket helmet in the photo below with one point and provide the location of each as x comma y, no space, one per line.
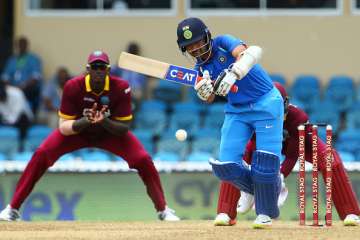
191,30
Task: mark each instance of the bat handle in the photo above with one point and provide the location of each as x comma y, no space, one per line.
234,88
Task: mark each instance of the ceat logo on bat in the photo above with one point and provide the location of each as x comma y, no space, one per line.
181,75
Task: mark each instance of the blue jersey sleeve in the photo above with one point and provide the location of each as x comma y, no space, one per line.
227,42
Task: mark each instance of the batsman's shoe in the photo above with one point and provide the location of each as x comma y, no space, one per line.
352,220
9,214
222,219
168,215
262,222
246,202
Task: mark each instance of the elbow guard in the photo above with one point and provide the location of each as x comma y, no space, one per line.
248,59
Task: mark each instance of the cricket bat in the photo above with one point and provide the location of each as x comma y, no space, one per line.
162,70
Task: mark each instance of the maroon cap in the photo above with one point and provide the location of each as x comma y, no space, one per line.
98,56
281,89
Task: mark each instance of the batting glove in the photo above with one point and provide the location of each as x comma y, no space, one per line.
204,88
283,192
224,82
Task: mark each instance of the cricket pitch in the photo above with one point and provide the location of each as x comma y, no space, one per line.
171,230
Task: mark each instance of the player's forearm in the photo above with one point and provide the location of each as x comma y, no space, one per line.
71,127
80,124
115,127
246,60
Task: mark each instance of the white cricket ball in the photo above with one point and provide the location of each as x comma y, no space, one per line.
181,135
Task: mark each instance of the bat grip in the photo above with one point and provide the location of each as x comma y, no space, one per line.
234,88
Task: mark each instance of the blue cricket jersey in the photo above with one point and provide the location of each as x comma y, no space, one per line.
254,85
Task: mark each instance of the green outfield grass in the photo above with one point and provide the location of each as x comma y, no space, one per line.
165,230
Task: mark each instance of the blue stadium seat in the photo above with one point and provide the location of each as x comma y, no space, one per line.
207,144
277,77
153,105
95,155
3,157
197,156
214,121
297,103
346,156
167,91
215,116
114,157
341,91
167,156
145,136
187,121
353,116
322,133
154,120
207,132
171,145
306,89
217,108
326,112
341,81
186,108
348,141
8,140
22,156
192,96
168,134
357,156
357,93
36,135
67,157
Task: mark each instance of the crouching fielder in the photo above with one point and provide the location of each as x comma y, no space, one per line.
257,107
95,112
344,197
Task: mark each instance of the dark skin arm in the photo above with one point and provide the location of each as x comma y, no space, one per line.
118,128
80,124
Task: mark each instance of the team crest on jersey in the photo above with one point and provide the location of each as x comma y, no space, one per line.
104,100
88,99
222,59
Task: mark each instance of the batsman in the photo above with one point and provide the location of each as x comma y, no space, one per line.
257,107
343,195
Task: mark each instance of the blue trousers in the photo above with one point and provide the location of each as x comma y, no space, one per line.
264,118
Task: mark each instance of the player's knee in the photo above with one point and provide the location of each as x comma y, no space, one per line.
140,161
236,173
271,145
265,167
227,170
43,156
